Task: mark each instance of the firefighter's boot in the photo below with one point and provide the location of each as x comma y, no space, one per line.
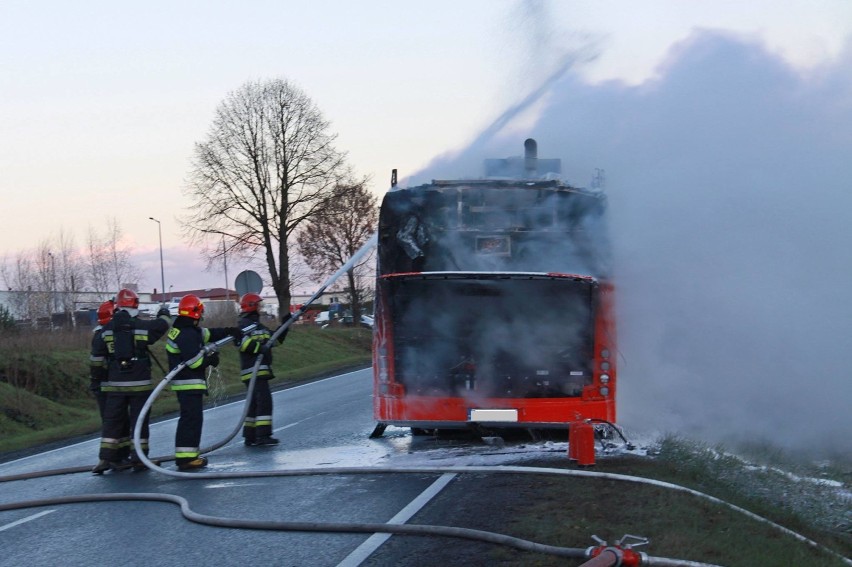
261,441
196,463
103,466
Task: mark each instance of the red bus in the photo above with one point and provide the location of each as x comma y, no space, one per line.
494,303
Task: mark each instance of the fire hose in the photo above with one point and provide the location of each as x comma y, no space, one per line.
426,530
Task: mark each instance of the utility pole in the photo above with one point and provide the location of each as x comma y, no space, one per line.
162,272
52,285
225,261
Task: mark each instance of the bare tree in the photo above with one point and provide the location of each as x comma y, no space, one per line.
329,240
267,165
70,272
108,265
97,277
6,273
32,275
56,269
21,277
50,278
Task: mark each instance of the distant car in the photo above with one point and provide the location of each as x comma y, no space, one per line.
322,318
149,309
366,321
173,306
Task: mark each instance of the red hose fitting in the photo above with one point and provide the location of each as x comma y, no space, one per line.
602,557
622,557
619,555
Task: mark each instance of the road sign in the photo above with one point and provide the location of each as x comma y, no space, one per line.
248,282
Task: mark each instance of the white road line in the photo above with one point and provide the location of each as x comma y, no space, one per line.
25,520
316,415
363,551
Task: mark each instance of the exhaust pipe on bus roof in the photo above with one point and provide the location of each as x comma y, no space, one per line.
530,166
530,157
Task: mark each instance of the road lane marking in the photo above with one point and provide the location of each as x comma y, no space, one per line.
315,416
363,551
25,520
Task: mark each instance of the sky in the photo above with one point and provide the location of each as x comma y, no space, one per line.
724,129
101,103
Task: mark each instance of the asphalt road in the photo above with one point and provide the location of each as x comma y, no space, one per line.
322,424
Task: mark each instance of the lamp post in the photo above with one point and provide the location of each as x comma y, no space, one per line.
52,282
225,261
162,272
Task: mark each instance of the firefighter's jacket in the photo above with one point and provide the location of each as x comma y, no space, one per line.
250,347
132,373
98,358
185,341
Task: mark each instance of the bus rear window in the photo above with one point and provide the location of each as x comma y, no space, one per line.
492,335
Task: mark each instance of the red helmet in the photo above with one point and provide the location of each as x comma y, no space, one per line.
105,312
190,306
127,299
250,303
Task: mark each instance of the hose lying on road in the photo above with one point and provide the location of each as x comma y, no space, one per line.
336,527
501,469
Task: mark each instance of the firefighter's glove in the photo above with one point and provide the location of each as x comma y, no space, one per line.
235,332
287,316
213,359
163,312
95,386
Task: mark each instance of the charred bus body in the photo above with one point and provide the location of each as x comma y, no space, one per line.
494,303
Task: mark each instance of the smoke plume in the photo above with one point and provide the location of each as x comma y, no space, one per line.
728,178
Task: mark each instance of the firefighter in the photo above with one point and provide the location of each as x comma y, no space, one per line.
124,343
98,360
257,429
186,340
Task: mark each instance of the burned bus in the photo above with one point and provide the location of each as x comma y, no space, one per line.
494,303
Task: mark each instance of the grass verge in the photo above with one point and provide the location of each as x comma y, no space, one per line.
44,379
566,511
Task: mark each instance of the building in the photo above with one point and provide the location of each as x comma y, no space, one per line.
217,293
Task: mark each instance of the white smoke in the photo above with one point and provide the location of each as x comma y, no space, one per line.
730,189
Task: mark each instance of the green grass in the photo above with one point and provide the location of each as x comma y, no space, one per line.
679,525
566,511
44,378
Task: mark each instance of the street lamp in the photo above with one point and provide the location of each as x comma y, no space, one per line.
162,272
52,282
225,261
